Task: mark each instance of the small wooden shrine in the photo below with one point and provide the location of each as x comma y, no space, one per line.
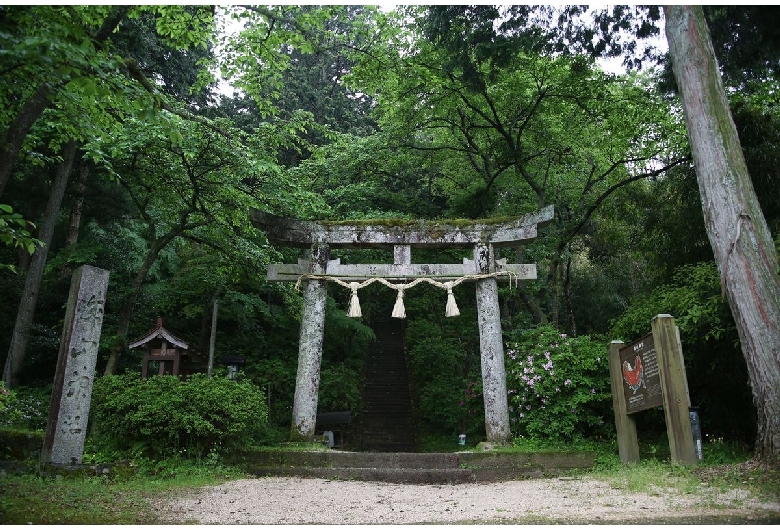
168,353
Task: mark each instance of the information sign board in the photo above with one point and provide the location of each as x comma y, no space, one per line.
641,376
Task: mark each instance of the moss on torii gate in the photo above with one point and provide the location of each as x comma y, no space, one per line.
482,235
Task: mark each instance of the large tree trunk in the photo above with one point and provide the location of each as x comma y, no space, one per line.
736,227
32,285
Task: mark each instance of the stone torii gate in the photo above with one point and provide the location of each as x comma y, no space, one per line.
320,237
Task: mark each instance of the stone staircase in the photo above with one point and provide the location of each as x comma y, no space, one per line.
386,419
412,468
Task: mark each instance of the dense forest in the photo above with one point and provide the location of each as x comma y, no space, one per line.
136,139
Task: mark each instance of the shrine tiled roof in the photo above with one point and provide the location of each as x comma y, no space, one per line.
159,332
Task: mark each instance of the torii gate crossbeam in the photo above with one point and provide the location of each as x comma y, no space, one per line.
483,237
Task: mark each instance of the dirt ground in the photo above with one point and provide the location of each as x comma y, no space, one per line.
286,500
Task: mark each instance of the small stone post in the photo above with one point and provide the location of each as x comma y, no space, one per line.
625,424
307,380
491,345
66,429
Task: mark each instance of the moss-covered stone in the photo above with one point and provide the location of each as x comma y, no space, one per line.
19,444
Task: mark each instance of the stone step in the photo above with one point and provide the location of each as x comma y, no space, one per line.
405,476
409,467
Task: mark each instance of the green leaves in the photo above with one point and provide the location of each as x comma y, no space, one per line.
693,297
184,28
162,415
14,232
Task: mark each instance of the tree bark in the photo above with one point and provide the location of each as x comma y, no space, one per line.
206,318
75,213
567,298
13,137
737,230
32,285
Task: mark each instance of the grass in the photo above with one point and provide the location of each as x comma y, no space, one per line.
122,498
128,493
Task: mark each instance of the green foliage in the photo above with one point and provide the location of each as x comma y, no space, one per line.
257,58
14,232
339,389
445,366
24,407
183,27
163,415
8,399
558,386
692,296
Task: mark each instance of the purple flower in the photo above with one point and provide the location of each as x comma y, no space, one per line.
567,382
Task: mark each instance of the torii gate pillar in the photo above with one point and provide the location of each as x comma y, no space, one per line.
491,345
304,414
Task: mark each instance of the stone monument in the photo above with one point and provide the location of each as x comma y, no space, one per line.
66,429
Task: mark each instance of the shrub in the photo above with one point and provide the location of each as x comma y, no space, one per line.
163,415
8,413
558,386
24,407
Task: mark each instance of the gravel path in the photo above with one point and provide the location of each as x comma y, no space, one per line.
284,500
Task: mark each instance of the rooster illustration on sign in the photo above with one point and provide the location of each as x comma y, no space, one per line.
634,376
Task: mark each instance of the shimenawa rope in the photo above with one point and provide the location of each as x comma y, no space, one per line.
399,311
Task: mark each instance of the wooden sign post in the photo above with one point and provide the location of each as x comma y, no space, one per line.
649,373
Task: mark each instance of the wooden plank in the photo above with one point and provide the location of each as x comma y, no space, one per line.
625,424
674,386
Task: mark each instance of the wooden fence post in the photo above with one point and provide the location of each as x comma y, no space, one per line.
625,424
674,388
